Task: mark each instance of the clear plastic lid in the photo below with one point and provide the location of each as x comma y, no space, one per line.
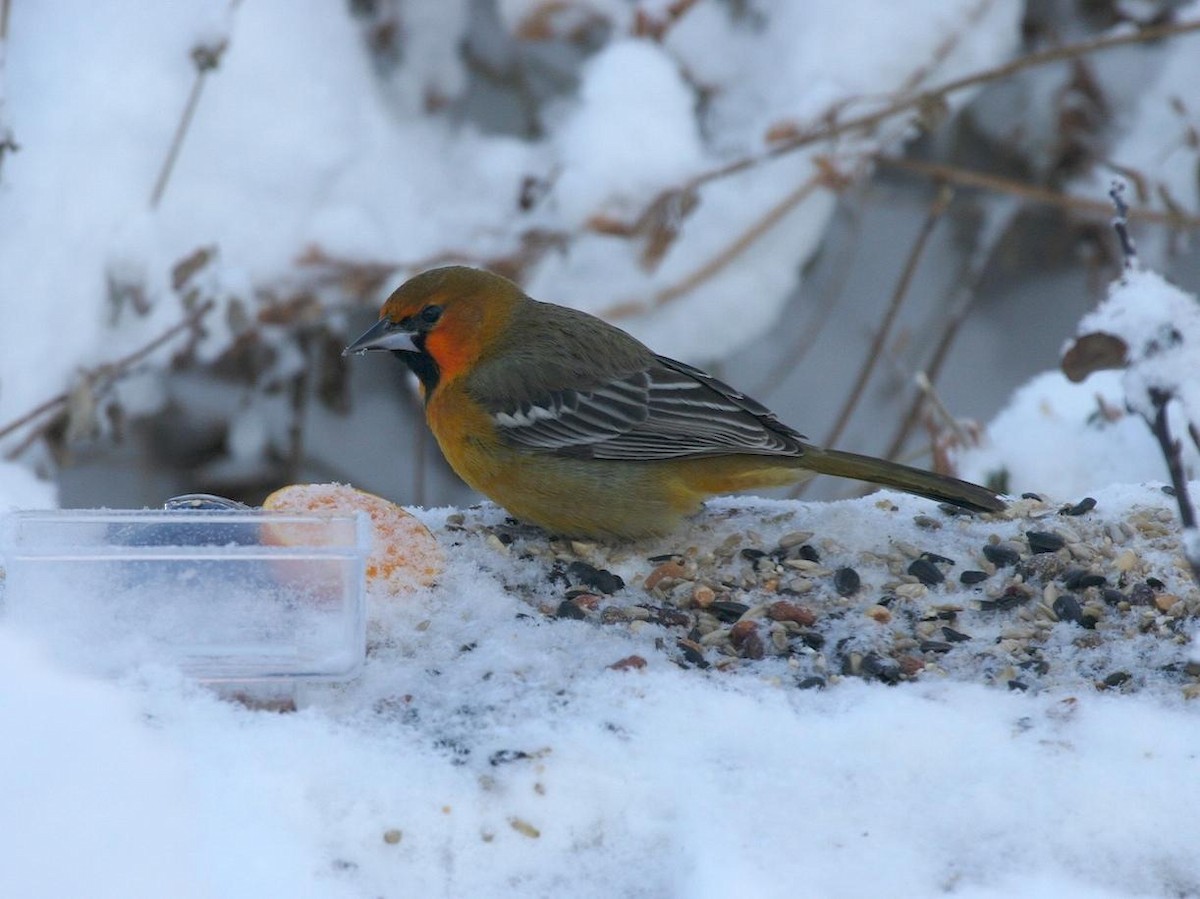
232,596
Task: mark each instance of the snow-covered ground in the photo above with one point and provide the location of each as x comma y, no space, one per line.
491,748
1030,733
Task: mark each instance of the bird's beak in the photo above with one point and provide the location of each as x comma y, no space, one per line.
383,335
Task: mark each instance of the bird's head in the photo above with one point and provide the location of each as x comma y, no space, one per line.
440,321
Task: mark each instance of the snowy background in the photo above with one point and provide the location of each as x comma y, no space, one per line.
247,180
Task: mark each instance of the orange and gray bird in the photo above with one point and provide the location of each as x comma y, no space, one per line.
574,425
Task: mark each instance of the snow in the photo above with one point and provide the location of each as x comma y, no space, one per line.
294,144
1158,140
20,488
489,748
632,135
1070,439
1160,326
509,756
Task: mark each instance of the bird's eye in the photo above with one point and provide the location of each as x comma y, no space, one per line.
430,314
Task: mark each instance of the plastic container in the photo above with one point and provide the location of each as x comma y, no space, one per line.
234,597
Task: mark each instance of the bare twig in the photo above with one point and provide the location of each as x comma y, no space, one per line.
646,25
936,210
713,266
947,46
930,394
108,373
1097,209
936,96
206,59
808,334
1172,452
1120,223
969,279
1160,398
7,144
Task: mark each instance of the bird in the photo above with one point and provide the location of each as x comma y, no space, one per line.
574,425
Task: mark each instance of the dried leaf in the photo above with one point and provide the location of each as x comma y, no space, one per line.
662,222
784,131
185,269
1094,352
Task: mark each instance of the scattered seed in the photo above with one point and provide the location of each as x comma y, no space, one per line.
1001,555
813,682
1165,602
692,652
877,667
728,610
954,636
926,572
392,837
1045,541
790,611
973,577
568,608
1081,579
524,828
594,578
1113,597
808,553
1004,603
936,646
1141,595
672,568
1126,561
798,586
752,647
740,631
1018,686
1067,608
669,617
926,522
665,557
779,639
628,663
795,538
846,581
814,640
1117,679
911,591
803,565
879,613
1082,507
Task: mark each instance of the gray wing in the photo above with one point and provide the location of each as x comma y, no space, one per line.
668,410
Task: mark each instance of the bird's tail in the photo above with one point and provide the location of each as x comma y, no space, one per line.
911,480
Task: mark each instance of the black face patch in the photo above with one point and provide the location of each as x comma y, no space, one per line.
422,364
